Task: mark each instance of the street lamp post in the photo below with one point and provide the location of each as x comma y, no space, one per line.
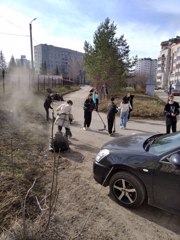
31,43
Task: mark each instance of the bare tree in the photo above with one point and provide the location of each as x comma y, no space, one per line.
138,82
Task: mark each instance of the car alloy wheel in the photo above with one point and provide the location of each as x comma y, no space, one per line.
127,189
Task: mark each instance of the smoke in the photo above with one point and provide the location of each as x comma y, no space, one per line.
21,100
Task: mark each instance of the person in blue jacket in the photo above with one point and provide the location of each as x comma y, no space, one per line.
95,98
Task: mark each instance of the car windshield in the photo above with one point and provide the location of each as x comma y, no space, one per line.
162,144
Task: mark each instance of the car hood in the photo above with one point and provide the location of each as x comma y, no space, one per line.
132,143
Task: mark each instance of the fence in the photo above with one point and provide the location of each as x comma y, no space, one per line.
39,82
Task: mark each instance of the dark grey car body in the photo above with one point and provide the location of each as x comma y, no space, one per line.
136,154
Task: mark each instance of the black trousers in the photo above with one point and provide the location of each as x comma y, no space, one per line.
110,125
87,118
67,133
171,126
47,114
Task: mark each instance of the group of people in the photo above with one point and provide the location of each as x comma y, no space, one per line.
64,112
125,108
171,111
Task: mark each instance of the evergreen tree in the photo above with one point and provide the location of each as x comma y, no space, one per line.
108,59
12,64
3,64
43,68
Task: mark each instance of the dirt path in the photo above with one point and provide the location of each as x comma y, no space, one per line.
84,209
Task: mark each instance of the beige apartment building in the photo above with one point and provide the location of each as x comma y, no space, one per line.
168,65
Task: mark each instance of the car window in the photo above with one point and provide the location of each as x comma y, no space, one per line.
165,144
166,159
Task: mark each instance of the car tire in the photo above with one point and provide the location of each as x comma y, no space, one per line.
127,190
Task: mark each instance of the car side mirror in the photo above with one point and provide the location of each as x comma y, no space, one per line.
175,159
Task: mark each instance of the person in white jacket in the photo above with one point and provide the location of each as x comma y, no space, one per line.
124,108
62,119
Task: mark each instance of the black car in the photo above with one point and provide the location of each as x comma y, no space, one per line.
142,167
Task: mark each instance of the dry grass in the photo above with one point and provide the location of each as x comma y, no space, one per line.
144,106
23,159
28,192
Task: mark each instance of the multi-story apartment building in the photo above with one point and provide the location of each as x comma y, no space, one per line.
23,61
68,62
146,67
168,71
145,71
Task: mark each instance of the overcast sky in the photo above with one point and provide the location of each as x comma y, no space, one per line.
68,23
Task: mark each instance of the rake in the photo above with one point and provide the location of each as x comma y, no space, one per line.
102,122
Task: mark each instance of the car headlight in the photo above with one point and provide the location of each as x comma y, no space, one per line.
103,153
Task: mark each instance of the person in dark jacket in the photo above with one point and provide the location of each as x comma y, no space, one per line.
47,105
88,108
171,110
112,109
104,91
130,100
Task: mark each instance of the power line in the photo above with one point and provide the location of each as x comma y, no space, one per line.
10,22
18,35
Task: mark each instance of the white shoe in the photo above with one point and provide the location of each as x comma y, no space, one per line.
84,128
